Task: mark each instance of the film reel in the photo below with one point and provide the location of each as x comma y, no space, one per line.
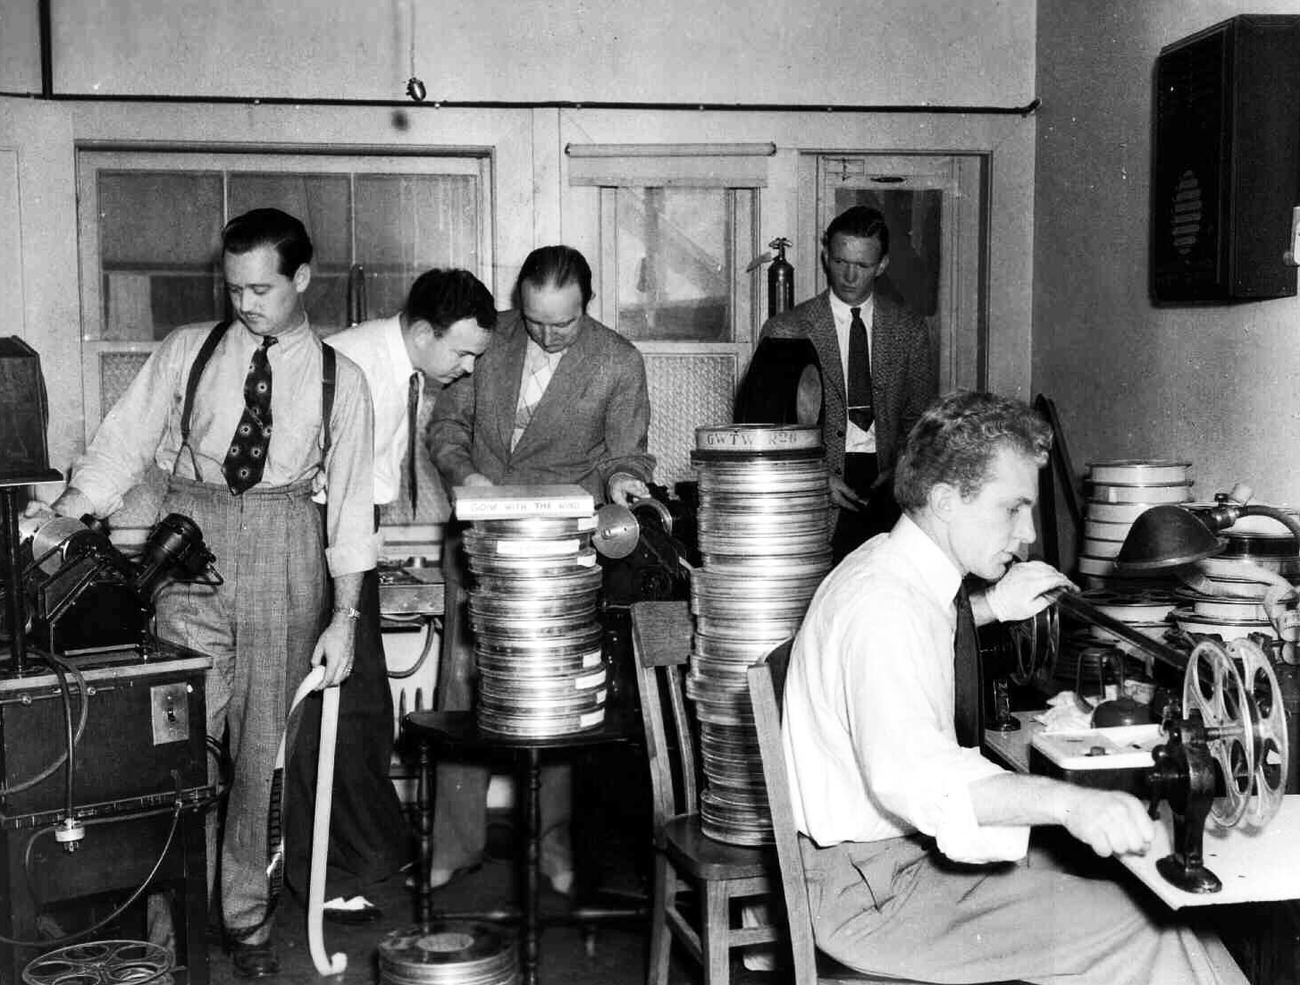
1213,686
133,962
1036,643
1272,749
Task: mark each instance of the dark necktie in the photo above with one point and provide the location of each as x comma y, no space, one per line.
412,413
967,706
246,459
859,382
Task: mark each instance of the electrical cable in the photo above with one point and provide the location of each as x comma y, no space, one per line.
177,810
225,768
8,790
61,672
397,675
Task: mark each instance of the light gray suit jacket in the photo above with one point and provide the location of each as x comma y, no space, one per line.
592,421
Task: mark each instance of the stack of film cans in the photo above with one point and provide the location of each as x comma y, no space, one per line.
533,609
764,549
1119,492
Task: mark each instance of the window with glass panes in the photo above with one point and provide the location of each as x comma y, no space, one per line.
150,234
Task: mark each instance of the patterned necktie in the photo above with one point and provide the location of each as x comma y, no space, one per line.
859,384
412,414
967,706
246,459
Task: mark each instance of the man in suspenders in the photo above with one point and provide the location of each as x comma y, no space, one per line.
246,422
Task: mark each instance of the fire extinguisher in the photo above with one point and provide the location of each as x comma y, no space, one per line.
780,279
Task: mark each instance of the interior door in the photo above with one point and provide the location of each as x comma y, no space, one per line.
933,205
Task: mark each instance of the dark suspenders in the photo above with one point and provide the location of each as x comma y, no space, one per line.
196,374
328,364
329,375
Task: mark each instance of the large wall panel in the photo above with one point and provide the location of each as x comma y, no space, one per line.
818,52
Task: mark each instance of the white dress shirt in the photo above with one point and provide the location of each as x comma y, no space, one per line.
856,440
868,727
378,348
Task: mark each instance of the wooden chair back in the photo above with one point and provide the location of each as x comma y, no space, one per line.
766,692
661,644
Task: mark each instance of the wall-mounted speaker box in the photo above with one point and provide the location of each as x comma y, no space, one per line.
1226,162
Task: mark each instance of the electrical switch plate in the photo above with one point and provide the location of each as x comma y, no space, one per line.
170,707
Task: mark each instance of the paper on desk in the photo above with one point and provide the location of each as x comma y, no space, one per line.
1063,714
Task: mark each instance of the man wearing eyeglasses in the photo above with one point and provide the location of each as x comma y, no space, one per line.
869,374
557,398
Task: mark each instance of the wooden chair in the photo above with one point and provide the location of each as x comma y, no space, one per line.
767,694
684,858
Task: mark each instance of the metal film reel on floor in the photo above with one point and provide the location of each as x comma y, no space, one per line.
102,963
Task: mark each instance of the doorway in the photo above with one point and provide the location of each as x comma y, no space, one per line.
934,206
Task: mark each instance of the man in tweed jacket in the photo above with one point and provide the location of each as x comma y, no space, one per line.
800,367
589,426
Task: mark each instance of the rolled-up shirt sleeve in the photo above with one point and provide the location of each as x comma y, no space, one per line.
349,473
131,436
900,716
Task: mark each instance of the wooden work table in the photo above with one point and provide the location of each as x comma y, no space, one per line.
1254,866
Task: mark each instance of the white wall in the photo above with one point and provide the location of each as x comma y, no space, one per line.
20,47
818,52
1214,385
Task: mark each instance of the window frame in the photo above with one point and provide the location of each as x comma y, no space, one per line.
357,162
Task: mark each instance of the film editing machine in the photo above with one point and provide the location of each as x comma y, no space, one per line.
1225,748
103,752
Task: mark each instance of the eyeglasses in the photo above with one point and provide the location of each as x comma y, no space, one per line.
854,264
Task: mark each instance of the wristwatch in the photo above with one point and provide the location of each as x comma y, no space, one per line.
347,610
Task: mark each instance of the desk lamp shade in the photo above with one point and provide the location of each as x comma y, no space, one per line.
1165,537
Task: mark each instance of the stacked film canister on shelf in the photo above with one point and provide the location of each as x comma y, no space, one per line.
533,609
1228,601
1118,492
764,549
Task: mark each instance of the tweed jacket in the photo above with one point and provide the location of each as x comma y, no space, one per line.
592,421
903,371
